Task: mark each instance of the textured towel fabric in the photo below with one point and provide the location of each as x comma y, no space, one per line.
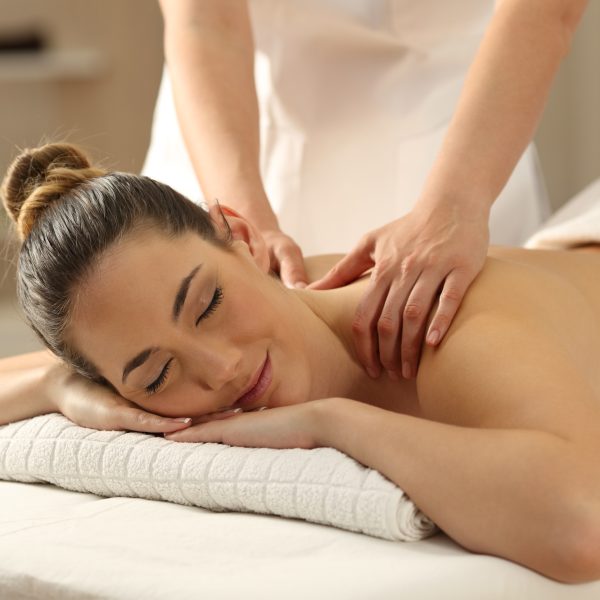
321,485
576,224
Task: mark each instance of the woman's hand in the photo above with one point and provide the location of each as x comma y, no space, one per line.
414,258
294,426
286,258
88,404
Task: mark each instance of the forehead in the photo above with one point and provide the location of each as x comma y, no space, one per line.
132,286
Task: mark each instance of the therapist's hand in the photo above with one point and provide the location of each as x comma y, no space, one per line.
286,258
425,253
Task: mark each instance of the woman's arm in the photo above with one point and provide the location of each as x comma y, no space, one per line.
39,383
513,470
25,383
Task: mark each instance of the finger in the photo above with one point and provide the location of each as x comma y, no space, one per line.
455,287
364,323
389,324
414,320
135,419
204,432
291,266
216,416
347,269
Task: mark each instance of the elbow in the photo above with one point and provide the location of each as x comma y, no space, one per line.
575,557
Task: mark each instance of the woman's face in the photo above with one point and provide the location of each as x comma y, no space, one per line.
182,327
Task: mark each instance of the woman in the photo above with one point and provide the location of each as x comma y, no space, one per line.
159,305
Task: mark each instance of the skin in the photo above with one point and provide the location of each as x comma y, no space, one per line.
496,439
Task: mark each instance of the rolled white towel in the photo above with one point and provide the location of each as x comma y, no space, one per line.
575,224
321,485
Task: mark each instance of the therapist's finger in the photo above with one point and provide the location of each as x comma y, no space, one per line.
414,320
349,268
455,287
291,265
364,324
389,325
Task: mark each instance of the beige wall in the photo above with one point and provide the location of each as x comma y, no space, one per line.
106,102
569,135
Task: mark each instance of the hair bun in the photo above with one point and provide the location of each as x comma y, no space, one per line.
38,177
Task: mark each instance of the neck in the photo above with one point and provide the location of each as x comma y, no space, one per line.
336,357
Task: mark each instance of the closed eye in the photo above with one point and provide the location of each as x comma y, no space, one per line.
157,383
216,300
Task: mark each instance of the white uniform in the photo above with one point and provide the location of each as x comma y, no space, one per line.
355,97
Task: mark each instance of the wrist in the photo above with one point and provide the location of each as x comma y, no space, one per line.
337,422
53,383
459,206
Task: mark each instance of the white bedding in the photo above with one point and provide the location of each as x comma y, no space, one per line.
58,544
62,545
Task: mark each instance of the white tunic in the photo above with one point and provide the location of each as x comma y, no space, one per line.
355,97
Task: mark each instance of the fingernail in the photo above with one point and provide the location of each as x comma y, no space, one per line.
372,372
433,337
181,420
406,370
300,284
393,375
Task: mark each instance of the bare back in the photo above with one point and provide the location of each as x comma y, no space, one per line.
523,349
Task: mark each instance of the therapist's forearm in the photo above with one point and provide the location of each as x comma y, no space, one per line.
210,53
494,491
502,99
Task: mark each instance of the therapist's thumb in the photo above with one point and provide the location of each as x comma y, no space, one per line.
349,268
291,267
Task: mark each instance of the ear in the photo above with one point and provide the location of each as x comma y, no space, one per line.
243,231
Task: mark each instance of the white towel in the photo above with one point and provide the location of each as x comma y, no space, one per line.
577,223
321,485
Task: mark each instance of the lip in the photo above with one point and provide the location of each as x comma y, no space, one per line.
260,383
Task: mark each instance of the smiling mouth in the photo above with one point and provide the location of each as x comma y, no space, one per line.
258,388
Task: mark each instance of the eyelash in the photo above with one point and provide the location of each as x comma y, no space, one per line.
216,300
157,383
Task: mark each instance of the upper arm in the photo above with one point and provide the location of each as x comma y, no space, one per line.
499,371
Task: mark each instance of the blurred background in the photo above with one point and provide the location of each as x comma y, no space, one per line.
89,72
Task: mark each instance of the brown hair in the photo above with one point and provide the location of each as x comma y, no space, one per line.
67,213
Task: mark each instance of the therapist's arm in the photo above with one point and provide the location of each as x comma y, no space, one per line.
440,246
502,100
209,50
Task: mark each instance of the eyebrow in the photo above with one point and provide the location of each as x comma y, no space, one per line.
180,297
182,292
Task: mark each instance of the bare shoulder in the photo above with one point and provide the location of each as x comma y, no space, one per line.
512,359
316,266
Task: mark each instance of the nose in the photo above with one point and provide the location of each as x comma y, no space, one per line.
215,365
